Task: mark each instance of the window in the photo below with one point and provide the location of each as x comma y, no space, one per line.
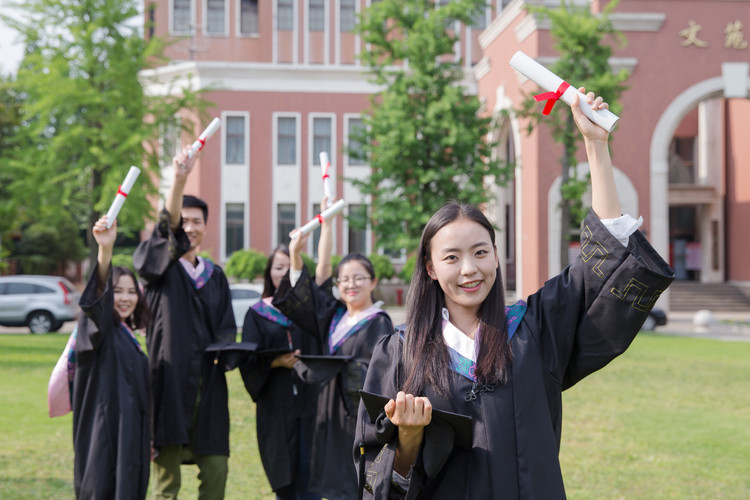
321,138
347,15
317,13
286,221
248,17
355,127
215,17
170,141
235,140
285,14
479,18
286,143
19,288
181,15
358,228
235,228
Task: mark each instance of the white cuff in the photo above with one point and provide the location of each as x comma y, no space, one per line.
622,227
294,276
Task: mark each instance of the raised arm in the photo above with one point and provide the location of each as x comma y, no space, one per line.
105,238
182,166
324,269
604,199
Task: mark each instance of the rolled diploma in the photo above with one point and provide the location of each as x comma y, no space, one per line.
549,81
334,209
325,165
127,184
210,130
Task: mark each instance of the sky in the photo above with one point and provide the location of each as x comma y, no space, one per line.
11,52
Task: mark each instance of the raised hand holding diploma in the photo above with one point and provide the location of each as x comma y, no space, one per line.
201,140
329,212
325,165
122,193
559,89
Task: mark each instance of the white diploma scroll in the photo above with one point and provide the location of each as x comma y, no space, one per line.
325,165
122,193
201,140
550,82
329,212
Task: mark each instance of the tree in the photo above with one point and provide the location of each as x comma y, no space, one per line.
584,61
85,116
10,105
424,136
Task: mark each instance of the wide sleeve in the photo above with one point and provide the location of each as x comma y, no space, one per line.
257,369
153,257
96,320
307,305
590,313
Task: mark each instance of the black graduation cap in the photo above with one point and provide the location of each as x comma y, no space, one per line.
233,354
322,367
461,425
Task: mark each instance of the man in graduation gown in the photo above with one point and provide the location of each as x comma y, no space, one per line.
191,304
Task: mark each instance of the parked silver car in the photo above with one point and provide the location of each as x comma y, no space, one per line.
244,296
43,303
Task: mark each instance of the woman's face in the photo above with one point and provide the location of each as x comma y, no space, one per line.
355,285
279,268
464,262
126,296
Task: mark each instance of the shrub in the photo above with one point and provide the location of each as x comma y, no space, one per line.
309,264
408,270
246,264
124,260
335,261
383,266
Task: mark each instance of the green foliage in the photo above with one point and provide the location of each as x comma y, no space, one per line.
86,118
124,260
423,137
583,61
43,247
382,265
246,264
407,271
335,261
309,263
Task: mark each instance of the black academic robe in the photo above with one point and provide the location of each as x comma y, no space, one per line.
574,325
185,320
332,474
283,401
111,433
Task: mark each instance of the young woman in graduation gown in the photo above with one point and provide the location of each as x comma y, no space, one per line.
111,431
285,406
347,328
465,352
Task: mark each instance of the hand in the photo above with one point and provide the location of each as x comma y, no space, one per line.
285,360
183,164
589,129
411,414
297,243
103,236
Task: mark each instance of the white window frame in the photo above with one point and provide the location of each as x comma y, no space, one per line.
347,118
172,31
297,139
238,23
245,139
325,32
204,28
311,139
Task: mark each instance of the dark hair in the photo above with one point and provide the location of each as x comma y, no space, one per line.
426,358
268,289
189,200
358,257
142,315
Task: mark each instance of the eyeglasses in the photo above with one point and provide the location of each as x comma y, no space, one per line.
357,280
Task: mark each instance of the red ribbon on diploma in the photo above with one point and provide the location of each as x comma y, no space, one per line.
325,174
120,191
552,97
203,143
320,218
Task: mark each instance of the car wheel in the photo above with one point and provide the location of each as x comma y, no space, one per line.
39,322
649,324
56,326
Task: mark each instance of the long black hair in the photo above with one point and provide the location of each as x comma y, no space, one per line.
426,358
142,315
268,288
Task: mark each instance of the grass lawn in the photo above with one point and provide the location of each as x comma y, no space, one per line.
669,419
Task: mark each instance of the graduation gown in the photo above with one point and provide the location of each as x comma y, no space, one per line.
332,473
111,432
283,401
185,320
574,325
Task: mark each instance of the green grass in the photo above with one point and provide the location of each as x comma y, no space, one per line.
668,419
